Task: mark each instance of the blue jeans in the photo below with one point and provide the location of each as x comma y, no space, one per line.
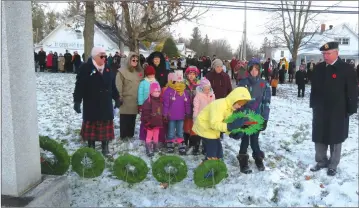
213,148
175,129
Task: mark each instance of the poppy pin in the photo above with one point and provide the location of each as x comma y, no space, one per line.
161,75
262,84
334,76
107,70
140,74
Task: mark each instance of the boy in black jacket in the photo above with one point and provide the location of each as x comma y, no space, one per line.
300,79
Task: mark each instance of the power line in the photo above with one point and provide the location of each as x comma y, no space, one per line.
267,9
274,4
228,30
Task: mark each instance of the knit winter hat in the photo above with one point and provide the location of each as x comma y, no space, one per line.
216,63
170,76
150,70
192,69
155,87
204,82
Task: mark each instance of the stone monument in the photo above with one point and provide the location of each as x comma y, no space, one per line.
21,179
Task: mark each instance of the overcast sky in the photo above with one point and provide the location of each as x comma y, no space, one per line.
229,24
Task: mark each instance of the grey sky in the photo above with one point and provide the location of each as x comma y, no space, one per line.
228,24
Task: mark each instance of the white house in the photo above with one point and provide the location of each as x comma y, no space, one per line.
69,36
182,49
347,38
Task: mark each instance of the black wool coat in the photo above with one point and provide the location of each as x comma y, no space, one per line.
300,77
333,99
96,90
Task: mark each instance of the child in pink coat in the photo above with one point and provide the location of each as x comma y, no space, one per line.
204,96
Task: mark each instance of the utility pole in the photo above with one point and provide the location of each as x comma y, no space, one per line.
245,32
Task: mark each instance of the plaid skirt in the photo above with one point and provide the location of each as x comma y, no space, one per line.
97,130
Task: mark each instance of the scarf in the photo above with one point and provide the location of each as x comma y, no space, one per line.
179,87
192,84
99,68
150,80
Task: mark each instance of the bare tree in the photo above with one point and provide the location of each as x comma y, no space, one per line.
221,48
293,25
147,20
89,29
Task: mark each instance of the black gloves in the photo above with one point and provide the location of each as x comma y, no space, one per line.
264,125
118,103
77,107
236,124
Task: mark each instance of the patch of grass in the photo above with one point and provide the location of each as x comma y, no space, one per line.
275,198
297,185
77,131
296,135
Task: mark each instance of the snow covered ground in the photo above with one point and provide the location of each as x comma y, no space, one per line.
286,143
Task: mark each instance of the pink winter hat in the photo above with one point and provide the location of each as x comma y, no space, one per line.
155,87
204,82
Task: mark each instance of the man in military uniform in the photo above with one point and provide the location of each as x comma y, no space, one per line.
333,99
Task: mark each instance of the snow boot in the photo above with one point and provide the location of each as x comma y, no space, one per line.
105,150
243,163
195,150
170,147
258,158
155,147
91,144
149,151
186,138
182,148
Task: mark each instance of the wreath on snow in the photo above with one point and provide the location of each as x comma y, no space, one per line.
57,165
88,163
130,168
255,123
210,173
169,169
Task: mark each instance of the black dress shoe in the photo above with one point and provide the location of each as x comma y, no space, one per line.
331,172
317,168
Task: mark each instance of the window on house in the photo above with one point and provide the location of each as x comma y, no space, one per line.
342,41
281,53
78,34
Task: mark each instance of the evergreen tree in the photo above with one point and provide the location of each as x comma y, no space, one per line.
170,48
206,46
51,22
196,41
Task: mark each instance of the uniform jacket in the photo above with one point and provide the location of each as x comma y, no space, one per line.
333,98
261,95
210,120
96,90
127,83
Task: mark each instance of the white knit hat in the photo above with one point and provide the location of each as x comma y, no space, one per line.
97,50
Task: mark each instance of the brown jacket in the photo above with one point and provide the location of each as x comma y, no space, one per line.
61,63
127,85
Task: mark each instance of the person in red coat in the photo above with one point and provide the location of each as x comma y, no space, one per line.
233,64
49,61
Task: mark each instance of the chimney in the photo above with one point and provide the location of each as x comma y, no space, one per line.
322,28
330,27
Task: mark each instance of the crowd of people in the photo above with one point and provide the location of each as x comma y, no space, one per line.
185,108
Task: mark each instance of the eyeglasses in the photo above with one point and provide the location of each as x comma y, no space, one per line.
135,60
103,57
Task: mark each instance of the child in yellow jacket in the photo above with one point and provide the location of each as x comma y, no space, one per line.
210,121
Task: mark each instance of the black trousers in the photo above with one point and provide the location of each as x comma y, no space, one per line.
291,77
69,67
301,89
253,140
42,67
127,125
274,91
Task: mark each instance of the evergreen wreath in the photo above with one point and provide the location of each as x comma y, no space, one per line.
169,169
60,164
255,123
88,163
130,168
210,173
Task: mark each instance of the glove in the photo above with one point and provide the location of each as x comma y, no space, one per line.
236,136
149,126
117,103
77,107
236,124
264,125
139,108
165,119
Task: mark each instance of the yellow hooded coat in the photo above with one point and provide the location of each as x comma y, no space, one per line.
210,121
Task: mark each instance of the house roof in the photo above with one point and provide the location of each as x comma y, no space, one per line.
105,29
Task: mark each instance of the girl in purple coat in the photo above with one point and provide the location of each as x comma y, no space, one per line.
176,107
